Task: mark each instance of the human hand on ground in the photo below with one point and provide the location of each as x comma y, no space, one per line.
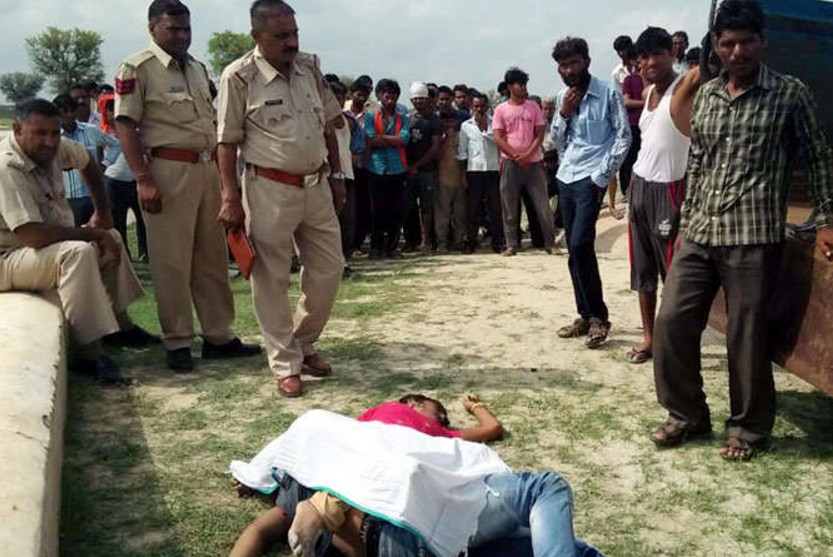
471,402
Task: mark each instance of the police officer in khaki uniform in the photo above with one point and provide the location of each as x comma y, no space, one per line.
41,250
276,108
167,126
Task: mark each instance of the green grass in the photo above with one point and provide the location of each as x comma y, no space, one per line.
144,471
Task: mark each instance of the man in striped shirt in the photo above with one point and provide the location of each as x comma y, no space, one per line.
747,126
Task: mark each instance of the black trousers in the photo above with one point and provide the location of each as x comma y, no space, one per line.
748,275
124,197
82,210
387,195
347,220
626,170
484,187
361,224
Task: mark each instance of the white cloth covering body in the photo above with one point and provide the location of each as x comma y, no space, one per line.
432,486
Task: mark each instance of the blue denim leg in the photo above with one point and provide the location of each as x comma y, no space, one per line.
539,502
399,542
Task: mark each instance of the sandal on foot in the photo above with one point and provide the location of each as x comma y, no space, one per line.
737,450
577,328
673,433
638,356
597,333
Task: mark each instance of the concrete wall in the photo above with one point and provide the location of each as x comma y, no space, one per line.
32,415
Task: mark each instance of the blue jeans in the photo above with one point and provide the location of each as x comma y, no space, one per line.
579,203
528,514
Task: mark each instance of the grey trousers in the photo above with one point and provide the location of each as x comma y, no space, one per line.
513,180
450,217
748,275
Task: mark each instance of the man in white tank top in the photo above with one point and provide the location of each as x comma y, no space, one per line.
656,192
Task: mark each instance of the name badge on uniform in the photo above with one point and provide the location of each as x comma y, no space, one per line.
177,89
274,102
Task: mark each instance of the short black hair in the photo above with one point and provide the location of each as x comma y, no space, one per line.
693,54
158,8
681,34
388,86
106,88
363,85
739,15
515,75
479,95
444,89
536,99
338,87
65,103
258,18
415,397
501,87
461,87
570,46
622,42
653,39
41,107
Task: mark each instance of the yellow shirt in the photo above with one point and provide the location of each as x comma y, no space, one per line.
277,120
32,194
171,104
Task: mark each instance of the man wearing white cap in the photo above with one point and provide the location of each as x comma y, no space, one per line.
422,149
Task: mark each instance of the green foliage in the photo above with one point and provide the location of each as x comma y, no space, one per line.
224,47
66,56
18,86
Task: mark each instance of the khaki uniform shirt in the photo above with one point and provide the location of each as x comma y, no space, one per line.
171,104
277,120
32,194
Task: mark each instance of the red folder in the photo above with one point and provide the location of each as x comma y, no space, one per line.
243,251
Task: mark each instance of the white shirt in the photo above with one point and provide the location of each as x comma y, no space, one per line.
663,156
620,72
478,147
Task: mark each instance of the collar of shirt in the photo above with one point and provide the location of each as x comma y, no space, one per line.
268,71
595,88
475,126
765,81
163,56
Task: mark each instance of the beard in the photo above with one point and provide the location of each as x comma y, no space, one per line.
580,81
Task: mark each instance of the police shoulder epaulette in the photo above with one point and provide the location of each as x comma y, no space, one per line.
308,59
244,68
139,58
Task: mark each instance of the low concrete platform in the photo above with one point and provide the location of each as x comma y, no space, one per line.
32,415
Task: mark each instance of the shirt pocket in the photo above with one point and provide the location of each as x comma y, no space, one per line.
597,131
271,117
180,106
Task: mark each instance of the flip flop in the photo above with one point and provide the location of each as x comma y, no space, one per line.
637,356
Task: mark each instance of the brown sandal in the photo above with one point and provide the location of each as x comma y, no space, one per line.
745,450
673,433
597,333
577,328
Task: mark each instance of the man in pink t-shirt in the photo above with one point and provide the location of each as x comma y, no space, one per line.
519,126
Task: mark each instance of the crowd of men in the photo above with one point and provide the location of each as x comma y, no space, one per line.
311,167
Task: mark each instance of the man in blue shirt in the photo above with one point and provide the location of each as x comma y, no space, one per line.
91,138
387,135
592,135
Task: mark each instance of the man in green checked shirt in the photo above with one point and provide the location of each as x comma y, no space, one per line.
747,126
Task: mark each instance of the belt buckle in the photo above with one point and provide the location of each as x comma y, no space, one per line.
205,156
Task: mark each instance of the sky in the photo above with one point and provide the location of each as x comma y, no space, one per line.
444,41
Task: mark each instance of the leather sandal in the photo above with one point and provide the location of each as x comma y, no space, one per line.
745,450
673,433
577,328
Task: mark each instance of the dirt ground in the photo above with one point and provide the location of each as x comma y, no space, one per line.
482,324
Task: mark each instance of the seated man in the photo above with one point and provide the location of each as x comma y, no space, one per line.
42,250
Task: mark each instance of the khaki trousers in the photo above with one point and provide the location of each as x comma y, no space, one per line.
277,213
450,217
188,254
91,295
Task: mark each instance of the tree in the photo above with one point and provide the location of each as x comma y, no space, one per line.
18,86
224,47
66,56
